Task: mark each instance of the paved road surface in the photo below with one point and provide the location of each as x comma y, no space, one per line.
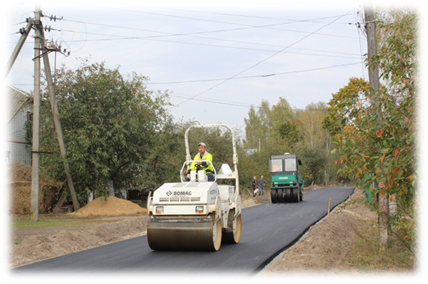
267,230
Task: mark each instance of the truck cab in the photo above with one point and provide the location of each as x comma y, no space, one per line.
287,185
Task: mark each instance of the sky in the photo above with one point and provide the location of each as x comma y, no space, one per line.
216,61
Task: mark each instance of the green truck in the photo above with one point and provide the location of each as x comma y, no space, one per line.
287,185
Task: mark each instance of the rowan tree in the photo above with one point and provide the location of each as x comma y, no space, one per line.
382,149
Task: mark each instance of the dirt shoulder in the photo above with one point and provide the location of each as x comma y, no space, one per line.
99,223
325,247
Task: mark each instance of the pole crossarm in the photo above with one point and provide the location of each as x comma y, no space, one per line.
24,34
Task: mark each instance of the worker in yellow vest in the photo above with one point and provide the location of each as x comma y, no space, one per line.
197,164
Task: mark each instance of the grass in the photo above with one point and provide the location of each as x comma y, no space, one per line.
11,242
367,255
54,221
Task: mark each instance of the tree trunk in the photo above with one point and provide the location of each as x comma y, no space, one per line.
110,187
58,206
383,220
90,195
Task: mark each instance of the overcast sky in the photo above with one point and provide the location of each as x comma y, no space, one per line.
216,60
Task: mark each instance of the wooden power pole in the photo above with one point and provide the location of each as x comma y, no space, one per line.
374,86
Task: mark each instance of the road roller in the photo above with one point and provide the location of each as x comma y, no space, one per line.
196,214
287,184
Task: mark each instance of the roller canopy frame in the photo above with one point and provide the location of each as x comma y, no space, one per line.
235,174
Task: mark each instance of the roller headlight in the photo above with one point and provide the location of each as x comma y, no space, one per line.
159,209
199,209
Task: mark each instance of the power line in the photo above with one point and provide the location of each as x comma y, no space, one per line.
180,95
253,76
292,21
245,26
258,63
211,101
154,38
167,34
20,23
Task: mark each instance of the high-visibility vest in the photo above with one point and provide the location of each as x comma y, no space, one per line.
208,168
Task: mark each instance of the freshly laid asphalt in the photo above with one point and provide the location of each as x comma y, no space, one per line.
267,230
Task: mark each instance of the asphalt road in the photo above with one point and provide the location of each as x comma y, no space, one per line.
267,230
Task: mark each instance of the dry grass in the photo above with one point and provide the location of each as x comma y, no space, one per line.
368,255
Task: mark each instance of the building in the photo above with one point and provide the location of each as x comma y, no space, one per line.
19,111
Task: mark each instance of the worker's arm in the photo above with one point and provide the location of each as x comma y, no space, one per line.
192,165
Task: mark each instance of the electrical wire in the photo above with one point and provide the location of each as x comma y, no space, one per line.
178,95
251,16
360,41
231,47
20,23
253,76
206,20
258,63
154,38
167,34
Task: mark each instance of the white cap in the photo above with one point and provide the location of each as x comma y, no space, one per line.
203,144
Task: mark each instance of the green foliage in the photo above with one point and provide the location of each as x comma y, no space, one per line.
218,141
111,126
254,129
166,157
288,132
345,105
380,144
250,166
280,116
282,129
313,168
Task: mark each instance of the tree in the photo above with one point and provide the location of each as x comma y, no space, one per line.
314,145
253,129
111,125
312,134
281,114
382,151
313,167
264,112
345,105
166,158
288,132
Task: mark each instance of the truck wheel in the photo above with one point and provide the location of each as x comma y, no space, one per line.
280,196
296,194
288,197
273,195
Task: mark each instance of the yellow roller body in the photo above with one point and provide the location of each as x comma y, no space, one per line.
182,234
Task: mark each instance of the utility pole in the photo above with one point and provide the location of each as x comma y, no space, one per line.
374,86
57,123
38,47
18,47
36,122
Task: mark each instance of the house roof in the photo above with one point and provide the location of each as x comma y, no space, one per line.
16,99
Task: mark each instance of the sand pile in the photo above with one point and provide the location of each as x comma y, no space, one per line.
113,206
